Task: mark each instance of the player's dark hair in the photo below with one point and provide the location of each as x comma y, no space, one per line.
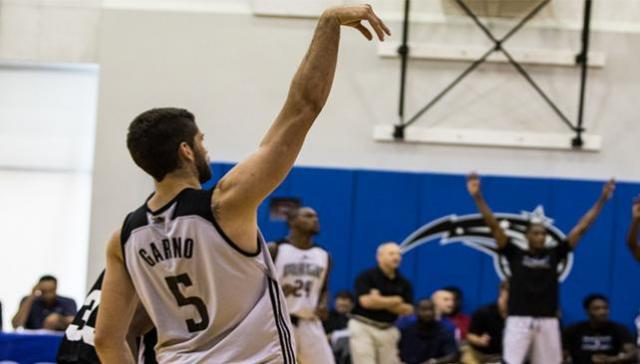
49,278
586,303
155,136
531,224
346,295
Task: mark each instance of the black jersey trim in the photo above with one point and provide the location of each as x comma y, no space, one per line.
234,245
281,320
166,205
285,353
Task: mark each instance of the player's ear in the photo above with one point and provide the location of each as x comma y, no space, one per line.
186,152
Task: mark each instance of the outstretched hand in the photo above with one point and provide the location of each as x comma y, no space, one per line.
473,184
608,189
354,15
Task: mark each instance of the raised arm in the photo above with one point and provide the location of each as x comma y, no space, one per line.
239,193
118,303
473,186
20,318
632,239
587,220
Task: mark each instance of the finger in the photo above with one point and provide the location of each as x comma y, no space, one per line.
375,24
364,31
384,26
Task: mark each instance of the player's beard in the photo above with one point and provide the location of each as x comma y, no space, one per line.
203,169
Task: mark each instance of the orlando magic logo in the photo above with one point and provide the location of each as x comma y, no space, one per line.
472,231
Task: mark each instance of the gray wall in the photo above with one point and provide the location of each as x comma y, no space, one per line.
232,71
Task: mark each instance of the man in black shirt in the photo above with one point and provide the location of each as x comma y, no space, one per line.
382,294
598,340
532,325
427,341
632,240
485,331
44,308
339,315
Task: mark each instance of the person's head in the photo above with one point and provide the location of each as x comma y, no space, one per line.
458,298
503,295
425,310
344,302
167,141
48,287
444,302
536,235
304,220
597,308
389,256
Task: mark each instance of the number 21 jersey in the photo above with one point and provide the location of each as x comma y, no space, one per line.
210,301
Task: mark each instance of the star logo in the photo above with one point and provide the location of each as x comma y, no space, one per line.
472,231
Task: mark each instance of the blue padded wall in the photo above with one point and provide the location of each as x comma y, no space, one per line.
359,209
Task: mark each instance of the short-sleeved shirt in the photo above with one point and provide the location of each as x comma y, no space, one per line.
487,320
420,342
534,279
582,340
375,279
39,311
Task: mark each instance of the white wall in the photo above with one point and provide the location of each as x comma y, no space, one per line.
232,71
47,125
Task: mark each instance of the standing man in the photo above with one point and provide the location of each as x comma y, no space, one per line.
599,340
632,240
195,259
303,271
532,324
382,294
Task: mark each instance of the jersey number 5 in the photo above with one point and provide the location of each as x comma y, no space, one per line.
173,283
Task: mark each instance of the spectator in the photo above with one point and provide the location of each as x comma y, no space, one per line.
427,340
336,327
598,340
382,294
444,302
44,309
339,315
459,319
485,331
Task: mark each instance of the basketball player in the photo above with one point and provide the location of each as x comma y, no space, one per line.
632,239
77,345
303,271
195,259
532,323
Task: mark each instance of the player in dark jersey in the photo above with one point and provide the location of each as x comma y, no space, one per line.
532,325
77,346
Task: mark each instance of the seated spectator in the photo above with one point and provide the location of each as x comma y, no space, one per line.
336,326
427,340
459,319
339,316
598,340
44,309
485,331
444,302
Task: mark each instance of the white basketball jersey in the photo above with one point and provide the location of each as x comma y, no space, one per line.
209,301
301,273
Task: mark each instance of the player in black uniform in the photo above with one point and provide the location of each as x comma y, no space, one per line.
77,346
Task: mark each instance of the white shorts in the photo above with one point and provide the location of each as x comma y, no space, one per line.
535,337
312,343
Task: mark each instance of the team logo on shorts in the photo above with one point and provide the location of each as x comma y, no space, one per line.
472,231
